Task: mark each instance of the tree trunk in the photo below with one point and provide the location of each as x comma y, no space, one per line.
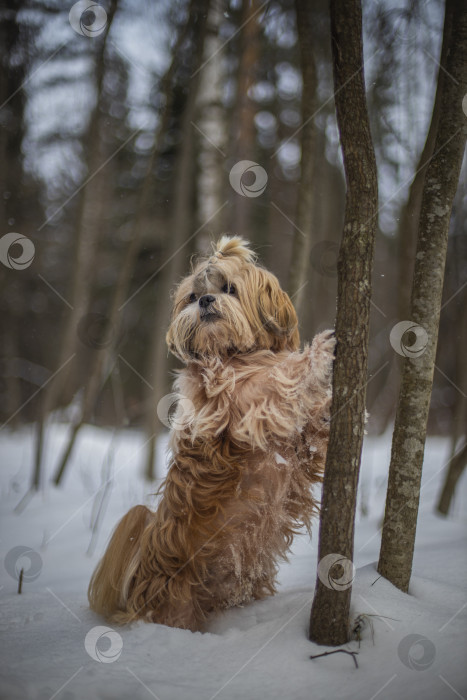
329,621
210,123
457,460
87,233
12,199
457,464
400,520
302,241
459,428
175,260
244,137
410,214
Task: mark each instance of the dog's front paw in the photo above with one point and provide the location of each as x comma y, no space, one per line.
324,343
323,353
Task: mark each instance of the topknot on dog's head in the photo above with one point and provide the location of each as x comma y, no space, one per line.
234,246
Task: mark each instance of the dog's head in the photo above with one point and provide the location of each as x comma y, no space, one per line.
230,305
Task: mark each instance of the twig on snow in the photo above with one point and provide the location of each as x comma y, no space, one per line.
353,654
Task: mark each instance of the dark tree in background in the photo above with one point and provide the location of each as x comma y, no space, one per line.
19,211
303,234
181,226
329,621
242,127
457,464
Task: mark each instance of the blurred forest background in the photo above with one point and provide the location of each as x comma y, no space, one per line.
120,123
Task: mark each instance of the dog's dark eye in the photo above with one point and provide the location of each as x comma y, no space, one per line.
192,298
228,288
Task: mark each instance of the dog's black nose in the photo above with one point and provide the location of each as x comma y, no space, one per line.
205,300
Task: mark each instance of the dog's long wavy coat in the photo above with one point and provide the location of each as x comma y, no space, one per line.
249,439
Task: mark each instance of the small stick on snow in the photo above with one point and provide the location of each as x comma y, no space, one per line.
20,581
25,500
353,654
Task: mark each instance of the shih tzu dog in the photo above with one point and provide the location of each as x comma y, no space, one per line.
248,442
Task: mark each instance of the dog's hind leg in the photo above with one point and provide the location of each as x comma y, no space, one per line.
109,586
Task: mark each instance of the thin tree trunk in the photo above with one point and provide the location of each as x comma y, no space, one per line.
302,241
457,465
329,621
210,122
244,137
12,199
326,225
442,175
410,215
87,233
175,263
460,405
457,462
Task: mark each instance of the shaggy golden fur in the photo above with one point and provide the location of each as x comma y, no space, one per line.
249,440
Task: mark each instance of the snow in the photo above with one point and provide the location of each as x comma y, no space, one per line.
258,651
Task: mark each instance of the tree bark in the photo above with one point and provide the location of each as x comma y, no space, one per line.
410,214
442,175
301,246
329,621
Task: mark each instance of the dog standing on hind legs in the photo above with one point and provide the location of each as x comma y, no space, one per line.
249,441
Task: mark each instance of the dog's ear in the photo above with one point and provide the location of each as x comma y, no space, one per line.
277,313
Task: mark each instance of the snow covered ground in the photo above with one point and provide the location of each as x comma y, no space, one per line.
413,645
